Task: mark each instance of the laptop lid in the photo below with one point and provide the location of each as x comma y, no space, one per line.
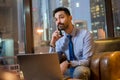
40,66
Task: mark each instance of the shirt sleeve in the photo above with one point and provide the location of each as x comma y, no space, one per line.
80,62
51,50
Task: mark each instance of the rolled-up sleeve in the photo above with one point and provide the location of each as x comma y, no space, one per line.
51,50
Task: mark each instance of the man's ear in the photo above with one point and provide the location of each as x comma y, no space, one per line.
70,17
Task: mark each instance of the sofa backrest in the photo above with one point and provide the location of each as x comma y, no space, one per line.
107,45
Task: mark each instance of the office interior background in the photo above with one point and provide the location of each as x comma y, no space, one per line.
26,26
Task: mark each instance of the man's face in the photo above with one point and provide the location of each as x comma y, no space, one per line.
62,20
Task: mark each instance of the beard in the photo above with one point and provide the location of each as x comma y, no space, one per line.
62,26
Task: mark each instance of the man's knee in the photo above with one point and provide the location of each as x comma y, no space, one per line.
81,72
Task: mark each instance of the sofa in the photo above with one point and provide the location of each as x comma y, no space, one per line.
105,63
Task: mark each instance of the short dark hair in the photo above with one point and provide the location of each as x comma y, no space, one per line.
61,9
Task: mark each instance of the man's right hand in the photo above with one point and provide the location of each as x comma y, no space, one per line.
55,36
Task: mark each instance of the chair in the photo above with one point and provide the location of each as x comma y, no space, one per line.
105,64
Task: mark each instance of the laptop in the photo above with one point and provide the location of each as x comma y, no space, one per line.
40,66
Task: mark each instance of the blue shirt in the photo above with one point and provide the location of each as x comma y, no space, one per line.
83,46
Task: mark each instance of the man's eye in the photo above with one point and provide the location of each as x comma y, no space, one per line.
55,19
62,17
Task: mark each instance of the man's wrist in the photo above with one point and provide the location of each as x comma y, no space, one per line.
52,46
52,43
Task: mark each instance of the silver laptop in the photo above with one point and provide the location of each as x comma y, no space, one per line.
40,66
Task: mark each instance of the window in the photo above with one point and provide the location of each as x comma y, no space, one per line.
11,28
14,24
116,17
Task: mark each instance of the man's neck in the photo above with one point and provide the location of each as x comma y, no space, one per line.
70,29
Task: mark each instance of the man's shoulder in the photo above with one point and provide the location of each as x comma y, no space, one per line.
79,30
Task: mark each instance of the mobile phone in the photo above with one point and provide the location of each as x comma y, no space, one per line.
60,32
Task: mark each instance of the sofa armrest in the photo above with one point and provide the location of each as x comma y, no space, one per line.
110,66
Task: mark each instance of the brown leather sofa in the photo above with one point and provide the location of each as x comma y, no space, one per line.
105,63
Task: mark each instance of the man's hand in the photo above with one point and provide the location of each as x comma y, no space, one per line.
55,36
64,66
74,63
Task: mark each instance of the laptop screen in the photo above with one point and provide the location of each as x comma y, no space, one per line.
40,66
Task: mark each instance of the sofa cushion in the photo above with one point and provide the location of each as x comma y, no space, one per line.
95,65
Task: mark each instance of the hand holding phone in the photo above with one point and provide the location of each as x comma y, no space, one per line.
60,32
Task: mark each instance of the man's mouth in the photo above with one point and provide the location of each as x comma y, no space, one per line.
60,25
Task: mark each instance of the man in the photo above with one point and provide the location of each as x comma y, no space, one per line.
82,41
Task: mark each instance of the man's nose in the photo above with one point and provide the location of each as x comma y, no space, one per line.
58,22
